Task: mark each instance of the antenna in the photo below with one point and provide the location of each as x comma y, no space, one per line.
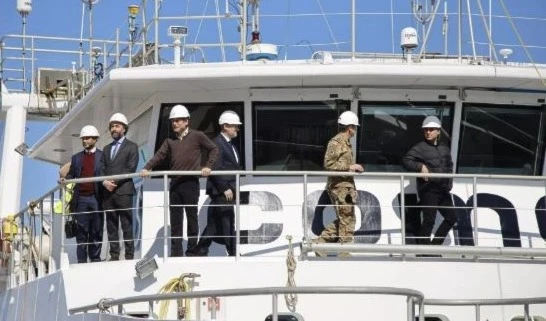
24,7
90,4
424,13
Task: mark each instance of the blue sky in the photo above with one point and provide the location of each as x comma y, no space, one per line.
298,36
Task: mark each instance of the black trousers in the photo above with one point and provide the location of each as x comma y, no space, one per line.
220,225
184,195
432,201
117,209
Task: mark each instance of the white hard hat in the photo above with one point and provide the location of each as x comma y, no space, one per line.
431,122
348,118
229,117
179,111
89,131
120,118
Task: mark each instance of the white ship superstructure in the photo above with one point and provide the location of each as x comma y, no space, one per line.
491,267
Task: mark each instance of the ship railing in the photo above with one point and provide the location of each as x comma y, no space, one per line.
414,298
478,303
30,244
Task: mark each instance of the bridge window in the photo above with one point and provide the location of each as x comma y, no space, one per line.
501,139
389,129
293,135
204,117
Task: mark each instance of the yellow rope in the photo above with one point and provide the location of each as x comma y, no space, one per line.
179,284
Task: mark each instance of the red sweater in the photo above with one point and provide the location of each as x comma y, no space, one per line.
88,170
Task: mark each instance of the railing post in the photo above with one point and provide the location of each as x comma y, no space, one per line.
21,259
421,309
410,308
117,48
52,232
402,210
165,217
41,240
275,308
150,308
305,231
477,311
120,309
526,312
237,215
213,308
475,208
63,218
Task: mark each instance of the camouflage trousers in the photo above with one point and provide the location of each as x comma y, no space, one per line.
343,196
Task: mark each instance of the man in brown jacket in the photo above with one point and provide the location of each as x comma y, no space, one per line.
184,154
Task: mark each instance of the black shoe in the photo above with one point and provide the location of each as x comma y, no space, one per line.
113,258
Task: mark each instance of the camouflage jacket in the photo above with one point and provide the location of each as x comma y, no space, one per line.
338,157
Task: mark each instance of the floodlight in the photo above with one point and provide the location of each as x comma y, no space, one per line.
22,149
145,267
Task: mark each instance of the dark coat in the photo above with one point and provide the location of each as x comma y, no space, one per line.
437,158
75,171
125,162
216,184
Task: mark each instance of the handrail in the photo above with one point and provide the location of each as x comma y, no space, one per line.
412,295
308,246
312,173
477,303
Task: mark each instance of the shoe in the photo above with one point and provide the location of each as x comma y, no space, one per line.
113,258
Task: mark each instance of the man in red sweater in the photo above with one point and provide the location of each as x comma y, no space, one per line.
183,152
85,204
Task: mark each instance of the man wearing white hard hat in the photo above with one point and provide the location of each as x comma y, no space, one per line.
221,189
432,156
120,157
85,204
342,189
183,152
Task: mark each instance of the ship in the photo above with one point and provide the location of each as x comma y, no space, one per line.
289,88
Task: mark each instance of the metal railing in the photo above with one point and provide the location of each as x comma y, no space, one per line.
413,297
29,233
477,304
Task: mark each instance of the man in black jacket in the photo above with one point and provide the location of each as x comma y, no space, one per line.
221,189
432,156
120,157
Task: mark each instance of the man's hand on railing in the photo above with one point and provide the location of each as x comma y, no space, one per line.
61,180
109,185
144,173
205,171
356,168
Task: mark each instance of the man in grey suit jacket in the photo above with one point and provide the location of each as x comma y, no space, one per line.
120,157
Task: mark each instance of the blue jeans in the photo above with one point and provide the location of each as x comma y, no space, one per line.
90,227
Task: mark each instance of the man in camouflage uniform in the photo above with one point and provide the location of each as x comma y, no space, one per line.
342,190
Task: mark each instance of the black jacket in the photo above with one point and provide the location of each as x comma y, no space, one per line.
125,162
217,185
437,158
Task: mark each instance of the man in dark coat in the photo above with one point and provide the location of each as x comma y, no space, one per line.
432,156
221,189
120,157
85,203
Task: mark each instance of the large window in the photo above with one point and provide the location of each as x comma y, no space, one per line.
204,117
293,135
501,139
388,130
